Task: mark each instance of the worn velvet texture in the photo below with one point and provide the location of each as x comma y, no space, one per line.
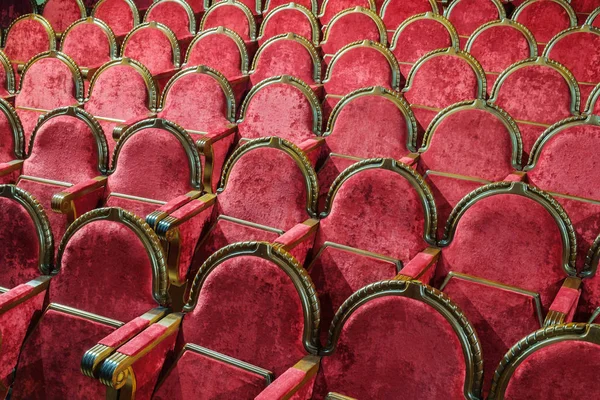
375,210
218,51
117,14
229,16
195,373
347,29
418,38
7,139
48,84
278,109
26,39
269,5
173,15
544,18
397,11
61,13
430,363
331,7
87,44
468,15
541,375
284,21
283,57
257,311
13,10
536,94
151,47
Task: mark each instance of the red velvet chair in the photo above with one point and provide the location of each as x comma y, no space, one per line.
536,92
49,80
351,25
62,13
288,54
441,78
288,18
369,122
90,43
545,19
208,118
225,51
12,138
178,16
507,249
311,5
255,6
15,9
78,314
7,77
544,356
419,35
468,15
121,92
329,8
594,18
156,47
264,301
121,15
466,146
593,104
282,106
27,256
395,12
583,9
27,36
379,217
358,65
578,49
499,44
439,356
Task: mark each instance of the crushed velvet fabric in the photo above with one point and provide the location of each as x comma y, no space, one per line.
350,27
7,139
542,374
87,44
269,5
330,8
544,18
151,47
229,16
26,39
48,367
257,309
278,109
62,13
468,15
283,21
193,371
218,51
13,10
430,364
49,83
283,57
117,14
394,12
173,15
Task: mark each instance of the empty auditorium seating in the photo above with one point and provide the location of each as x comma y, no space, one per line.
7,77
233,15
468,15
62,13
208,118
120,15
467,145
499,44
90,43
330,8
536,92
290,18
12,138
49,80
431,83
578,49
395,12
178,16
310,5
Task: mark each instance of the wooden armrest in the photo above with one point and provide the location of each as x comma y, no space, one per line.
62,202
337,396
22,293
410,159
419,268
10,167
292,380
122,126
171,221
516,176
298,234
154,217
564,303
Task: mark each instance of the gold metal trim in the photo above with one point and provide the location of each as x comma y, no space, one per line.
591,261
372,7
250,224
313,5
34,17
593,15
360,10
44,180
363,253
434,8
456,176
564,4
533,51
594,96
130,3
309,15
112,41
188,9
595,315
497,3
234,3
162,28
567,32
337,396
227,32
82,10
137,198
86,315
428,16
9,72
17,129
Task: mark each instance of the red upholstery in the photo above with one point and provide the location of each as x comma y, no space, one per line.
578,49
281,106
310,5
468,15
499,44
12,141
289,17
62,13
536,93
27,36
7,77
419,35
594,18
429,90
395,12
154,45
175,14
366,360
121,15
233,15
593,104
90,43
14,10
329,8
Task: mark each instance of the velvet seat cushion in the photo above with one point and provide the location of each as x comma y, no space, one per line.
284,57
286,20
230,16
117,14
152,47
395,12
62,13
87,44
25,39
330,8
173,15
350,27
468,15
218,51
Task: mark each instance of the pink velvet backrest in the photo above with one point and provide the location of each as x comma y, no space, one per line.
121,15
395,12
545,18
290,18
287,54
381,206
468,15
110,251
219,48
49,81
175,14
510,233
12,139
269,182
329,8
154,45
233,15
62,13
90,43
27,36
262,305
311,5
352,25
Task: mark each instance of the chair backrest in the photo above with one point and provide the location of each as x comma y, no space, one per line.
281,106
121,15
287,54
418,35
290,17
593,104
395,12
329,8
12,144
221,49
594,18
89,42
154,45
27,249
468,15
62,13
177,15
311,5
444,355
17,9
27,36
7,76
262,298
233,15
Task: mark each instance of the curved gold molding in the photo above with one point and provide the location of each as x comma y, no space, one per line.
564,4
112,41
360,10
372,7
497,3
234,3
188,9
17,129
593,15
34,17
593,99
434,8
314,24
130,3
220,30
162,28
591,260
314,7
569,31
9,72
82,10
428,16
533,51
